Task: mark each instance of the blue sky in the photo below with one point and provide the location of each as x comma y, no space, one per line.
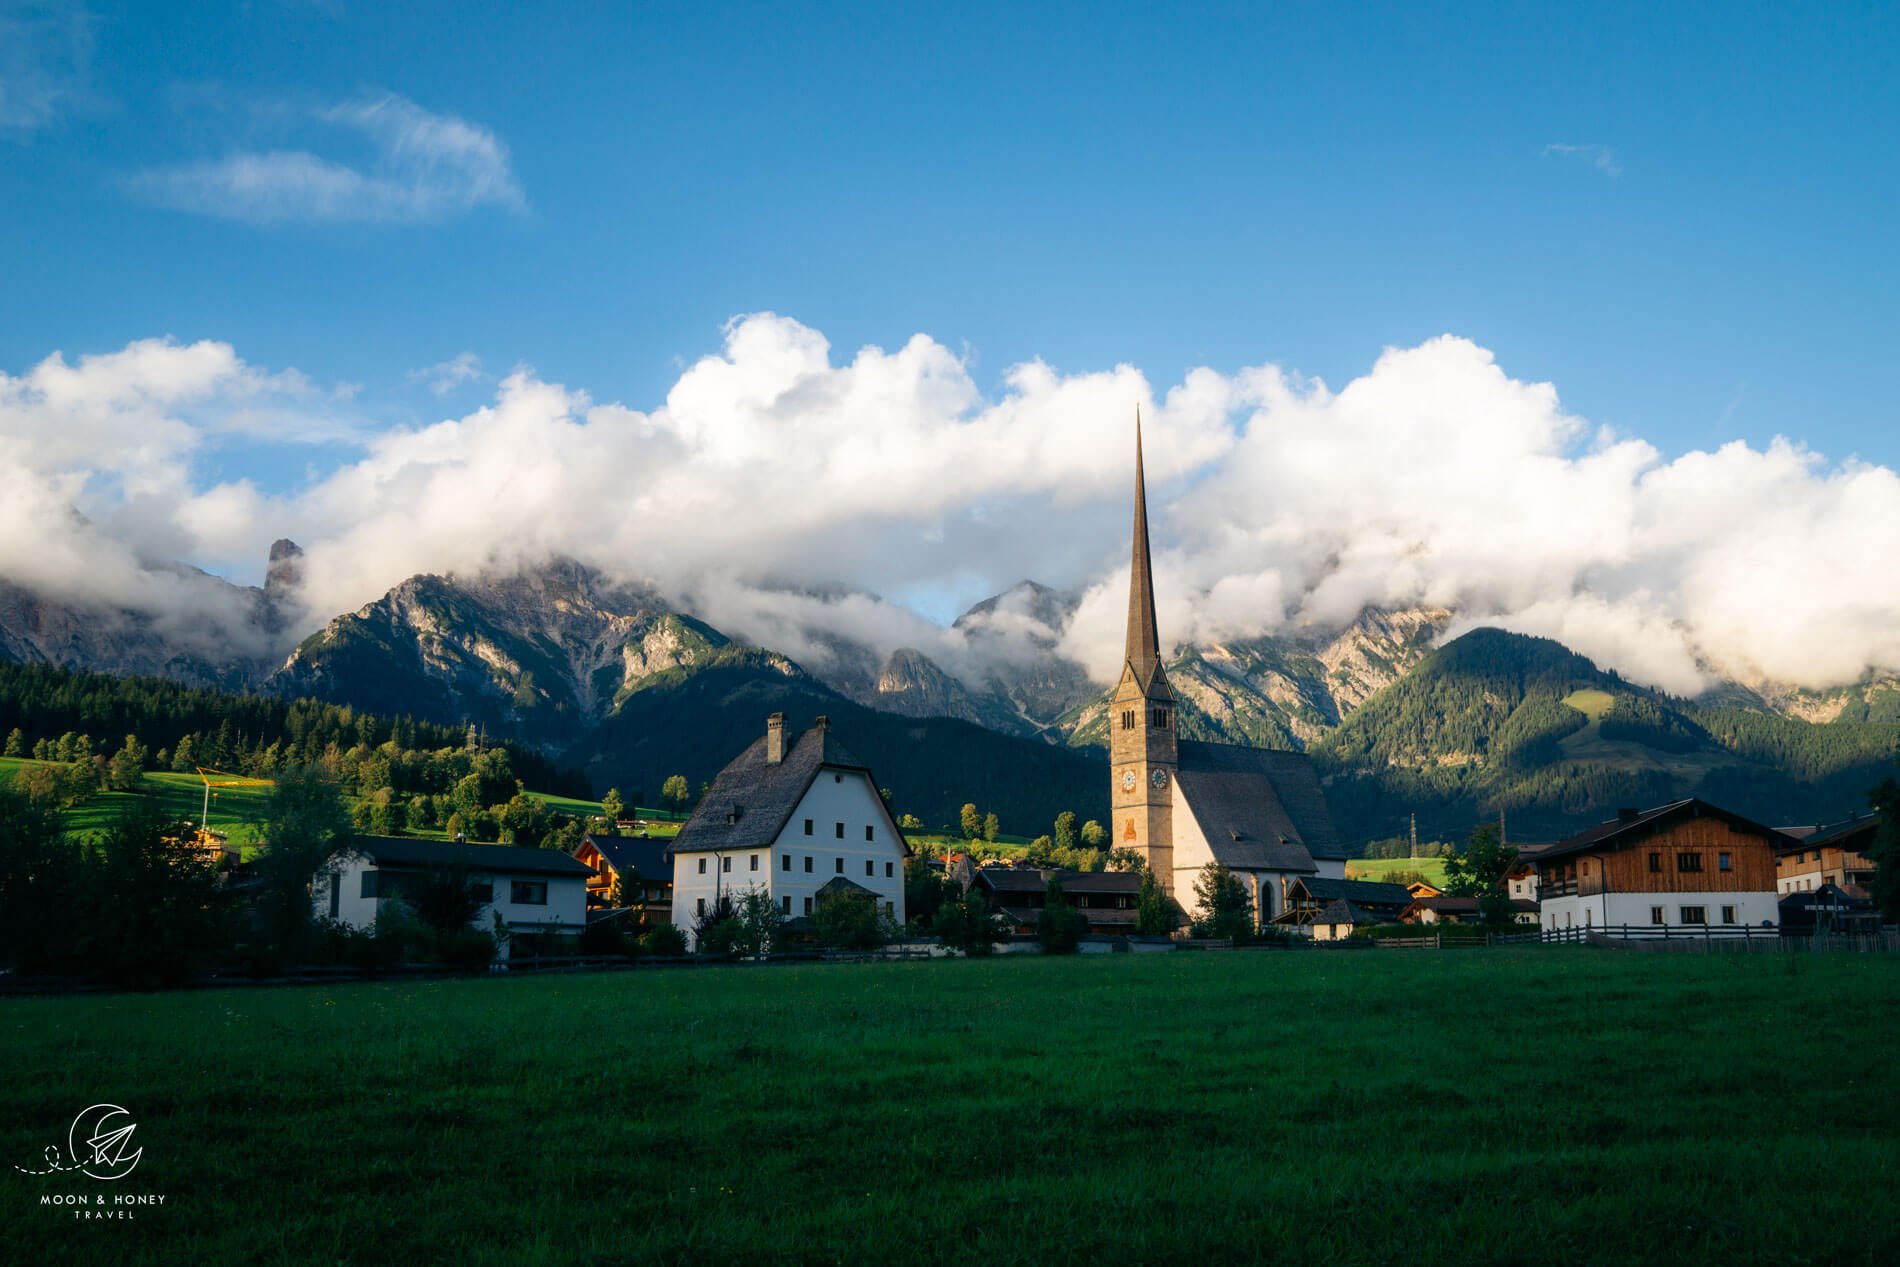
1683,218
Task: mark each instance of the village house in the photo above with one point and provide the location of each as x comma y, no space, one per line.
1106,899
1327,909
1688,864
1835,854
642,858
788,817
1182,804
538,893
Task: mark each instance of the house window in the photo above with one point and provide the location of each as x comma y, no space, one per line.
1728,915
528,892
785,862
870,831
725,864
808,827
702,866
807,864
890,909
1688,862
1655,862
1724,863
702,906
840,866
870,868
483,893
837,778
1656,915
889,870
1695,914
839,832
336,892
755,863
807,906
788,904
369,883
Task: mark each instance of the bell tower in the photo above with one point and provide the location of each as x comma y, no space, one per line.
1141,744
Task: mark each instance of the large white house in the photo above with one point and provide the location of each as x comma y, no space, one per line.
789,818
536,892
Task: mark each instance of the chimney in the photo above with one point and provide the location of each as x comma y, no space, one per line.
822,722
775,738
1628,814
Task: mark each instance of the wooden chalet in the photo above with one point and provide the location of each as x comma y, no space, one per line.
1106,899
1835,855
609,857
1687,863
1330,910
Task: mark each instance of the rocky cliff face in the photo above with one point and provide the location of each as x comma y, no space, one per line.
545,652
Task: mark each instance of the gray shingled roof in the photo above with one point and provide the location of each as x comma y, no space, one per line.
1260,810
750,802
1839,834
405,851
1359,892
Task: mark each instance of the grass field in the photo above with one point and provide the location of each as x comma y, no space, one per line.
1433,869
1550,1105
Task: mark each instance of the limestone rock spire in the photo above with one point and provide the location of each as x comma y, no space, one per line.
1144,642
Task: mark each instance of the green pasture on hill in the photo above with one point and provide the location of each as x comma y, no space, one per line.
1433,869
237,812
1542,1105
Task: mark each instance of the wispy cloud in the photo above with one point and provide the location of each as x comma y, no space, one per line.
1601,157
422,167
45,57
445,376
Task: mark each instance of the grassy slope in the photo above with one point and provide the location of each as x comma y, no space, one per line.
1565,1105
1433,869
238,811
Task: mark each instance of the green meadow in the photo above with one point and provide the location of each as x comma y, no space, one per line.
1433,869
1549,1105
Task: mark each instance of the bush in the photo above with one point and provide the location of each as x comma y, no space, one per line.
725,939
965,924
1061,927
664,940
469,949
849,921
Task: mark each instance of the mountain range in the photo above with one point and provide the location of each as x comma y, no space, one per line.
1406,726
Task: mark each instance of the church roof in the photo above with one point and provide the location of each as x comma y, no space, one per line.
1144,639
750,802
1260,810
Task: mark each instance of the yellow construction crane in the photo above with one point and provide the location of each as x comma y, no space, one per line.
206,841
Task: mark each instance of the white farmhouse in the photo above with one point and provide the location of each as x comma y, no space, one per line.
789,818
537,892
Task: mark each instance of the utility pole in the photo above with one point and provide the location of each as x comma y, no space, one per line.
1415,833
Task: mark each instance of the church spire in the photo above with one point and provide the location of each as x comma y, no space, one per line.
1144,642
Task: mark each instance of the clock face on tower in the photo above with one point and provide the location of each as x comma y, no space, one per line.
1128,780
1159,778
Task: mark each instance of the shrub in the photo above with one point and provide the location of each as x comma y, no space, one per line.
965,924
849,921
470,949
664,940
1061,927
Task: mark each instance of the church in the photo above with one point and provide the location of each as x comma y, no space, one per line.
1181,803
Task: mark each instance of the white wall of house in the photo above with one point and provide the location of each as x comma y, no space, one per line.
1753,909
1191,853
851,836
564,911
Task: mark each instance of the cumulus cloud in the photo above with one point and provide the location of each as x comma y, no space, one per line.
45,59
421,167
1600,157
778,487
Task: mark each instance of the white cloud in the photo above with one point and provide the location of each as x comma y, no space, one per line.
1600,157
45,60
445,376
422,167
774,471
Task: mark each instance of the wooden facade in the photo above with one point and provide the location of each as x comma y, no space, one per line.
1695,855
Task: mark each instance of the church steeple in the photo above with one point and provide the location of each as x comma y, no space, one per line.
1144,642
1142,753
